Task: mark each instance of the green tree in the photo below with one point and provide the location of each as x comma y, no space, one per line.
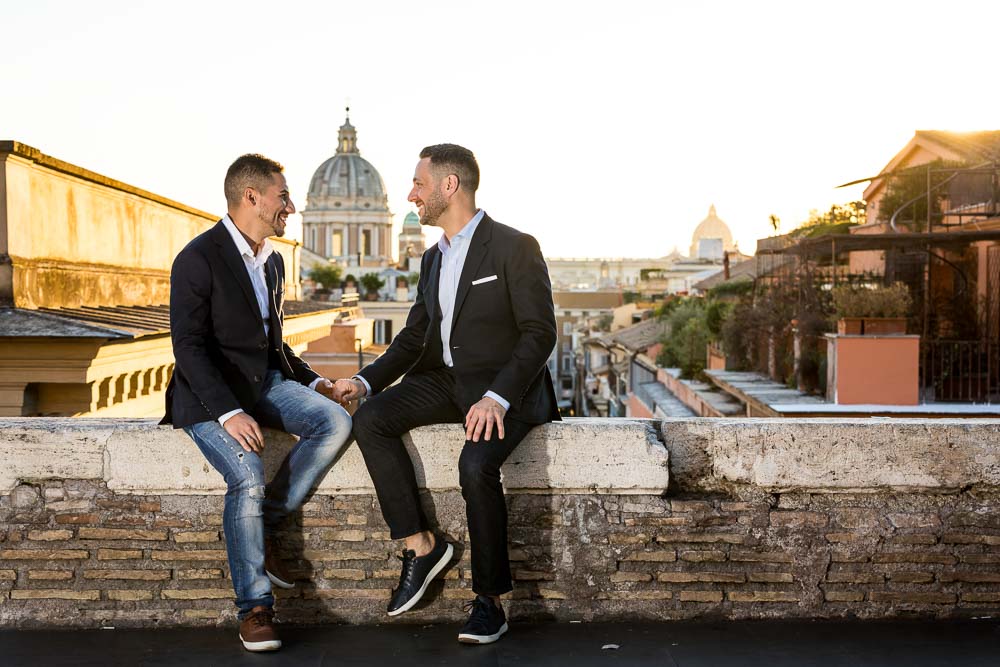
327,275
372,284
837,220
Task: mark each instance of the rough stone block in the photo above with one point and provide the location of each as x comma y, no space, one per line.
185,574
119,554
707,577
698,538
855,577
137,575
661,556
199,594
121,534
50,535
770,577
345,573
798,520
762,596
87,517
912,577
50,575
912,597
914,557
970,538
53,594
981,597
196,536
44,554
915,520
129,595
970,577
192,554
8,575
624,577
702,555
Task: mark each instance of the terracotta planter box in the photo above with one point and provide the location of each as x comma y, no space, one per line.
871,326
884,326
873,369
850,326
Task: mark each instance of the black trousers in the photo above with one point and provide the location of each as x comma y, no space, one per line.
429,398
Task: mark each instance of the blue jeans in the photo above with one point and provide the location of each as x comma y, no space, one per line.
253,510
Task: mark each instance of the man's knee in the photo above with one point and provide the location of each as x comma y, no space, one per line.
370,417
331,419
476,470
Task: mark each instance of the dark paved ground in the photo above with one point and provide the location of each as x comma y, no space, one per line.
723,644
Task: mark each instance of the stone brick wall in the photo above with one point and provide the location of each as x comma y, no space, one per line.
74,552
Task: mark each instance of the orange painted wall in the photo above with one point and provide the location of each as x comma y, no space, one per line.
877,369
636,408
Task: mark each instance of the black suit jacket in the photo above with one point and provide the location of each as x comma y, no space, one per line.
220,348
503,330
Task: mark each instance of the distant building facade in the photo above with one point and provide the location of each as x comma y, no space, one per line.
84,286
346,218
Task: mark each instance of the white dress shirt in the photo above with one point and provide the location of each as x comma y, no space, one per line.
453,254
255,266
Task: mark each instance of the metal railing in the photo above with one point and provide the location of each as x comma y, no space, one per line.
966,371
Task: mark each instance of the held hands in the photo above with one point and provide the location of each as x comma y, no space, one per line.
348,389
485,414
245,431
342,391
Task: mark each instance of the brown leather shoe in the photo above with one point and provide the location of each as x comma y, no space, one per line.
275,567
257,631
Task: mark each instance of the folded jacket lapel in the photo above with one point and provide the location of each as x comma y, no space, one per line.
233,260
478,249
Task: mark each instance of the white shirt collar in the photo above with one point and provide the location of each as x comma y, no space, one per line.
266,248
466,232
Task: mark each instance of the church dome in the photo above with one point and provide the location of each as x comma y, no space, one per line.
712,228
411,220
347,180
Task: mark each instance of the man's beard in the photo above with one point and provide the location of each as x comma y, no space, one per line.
433,208
271,222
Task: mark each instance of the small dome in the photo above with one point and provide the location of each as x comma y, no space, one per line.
712,227
347,180
411,220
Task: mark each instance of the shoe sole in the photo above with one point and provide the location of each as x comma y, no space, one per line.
280,583
259,647
482,639
430,577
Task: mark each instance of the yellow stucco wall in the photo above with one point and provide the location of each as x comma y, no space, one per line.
76,238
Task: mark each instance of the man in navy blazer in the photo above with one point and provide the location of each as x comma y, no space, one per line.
474,351
233,373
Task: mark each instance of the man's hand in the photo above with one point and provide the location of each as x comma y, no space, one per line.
485,414
246,432
349,389
329,390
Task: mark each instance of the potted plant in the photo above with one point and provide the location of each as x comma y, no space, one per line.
871,310
372,284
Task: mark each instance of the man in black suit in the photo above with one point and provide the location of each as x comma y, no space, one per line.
234,373
474,350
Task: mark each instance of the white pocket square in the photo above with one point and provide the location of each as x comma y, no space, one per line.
487,279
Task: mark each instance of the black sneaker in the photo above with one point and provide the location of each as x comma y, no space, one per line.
486,622
416,574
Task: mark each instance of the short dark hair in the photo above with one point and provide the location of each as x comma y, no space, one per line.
249,171
454,159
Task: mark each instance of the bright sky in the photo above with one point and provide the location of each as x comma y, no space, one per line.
603,128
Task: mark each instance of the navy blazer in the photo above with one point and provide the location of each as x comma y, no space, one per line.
220,348
502,333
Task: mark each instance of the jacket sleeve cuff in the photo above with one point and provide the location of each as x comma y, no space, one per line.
498,398
232,413
368,387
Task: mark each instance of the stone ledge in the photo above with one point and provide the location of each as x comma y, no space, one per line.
617,456
621,456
